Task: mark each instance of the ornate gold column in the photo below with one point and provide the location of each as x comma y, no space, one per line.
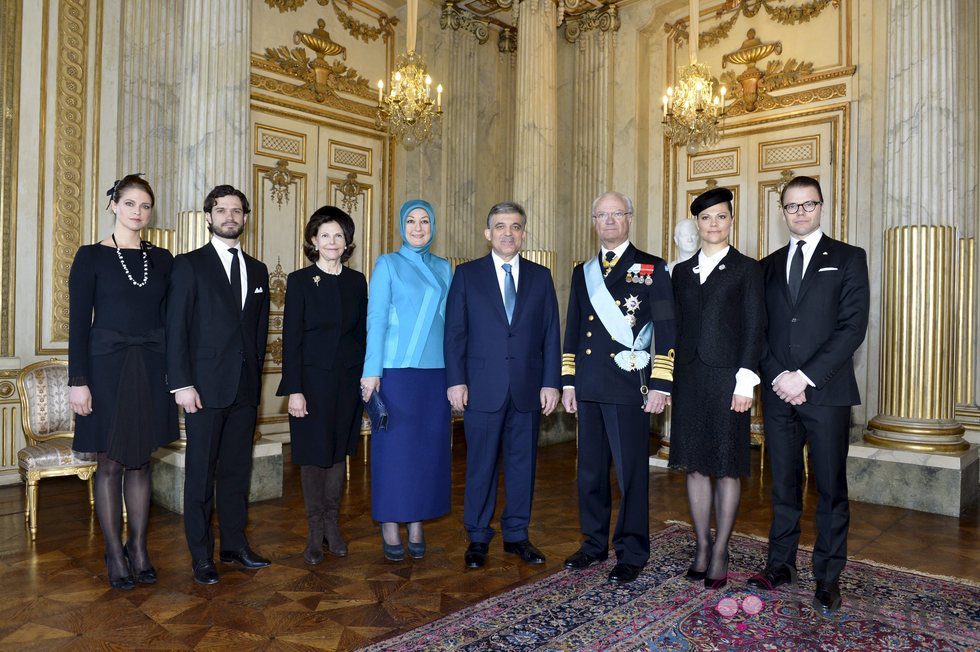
916,393
536,133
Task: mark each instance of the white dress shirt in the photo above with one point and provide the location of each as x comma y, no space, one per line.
618,251
515,271
745,379
808,249
225,256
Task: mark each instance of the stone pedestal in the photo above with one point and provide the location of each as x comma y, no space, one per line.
928,482
168,475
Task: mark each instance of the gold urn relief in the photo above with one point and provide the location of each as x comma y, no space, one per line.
752,51
322,45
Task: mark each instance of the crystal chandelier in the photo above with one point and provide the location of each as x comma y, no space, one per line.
692,111
407,111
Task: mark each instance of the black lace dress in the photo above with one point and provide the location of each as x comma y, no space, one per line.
116,346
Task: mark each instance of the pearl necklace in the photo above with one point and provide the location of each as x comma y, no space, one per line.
146,267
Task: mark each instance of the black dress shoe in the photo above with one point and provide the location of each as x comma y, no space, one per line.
476,555
826,600
695,575
205,572
581,559
526,550
772,578
126,582
624,573
246,557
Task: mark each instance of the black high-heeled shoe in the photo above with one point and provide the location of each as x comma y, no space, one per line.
145,576
125,583
715,583
695,575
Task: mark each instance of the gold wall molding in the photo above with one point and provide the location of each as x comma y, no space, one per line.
279,143
916,397
363,31
349,157
321,79
285,5
304,92
455,18
603,19
768,102
280,177
781,13
39,348
10,28
69,158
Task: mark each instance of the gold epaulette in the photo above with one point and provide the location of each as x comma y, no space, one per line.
567,364
663,367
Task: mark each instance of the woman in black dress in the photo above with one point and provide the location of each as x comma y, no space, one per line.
720,322
117,373
324,335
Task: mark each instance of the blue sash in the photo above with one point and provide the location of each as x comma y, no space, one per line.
609,313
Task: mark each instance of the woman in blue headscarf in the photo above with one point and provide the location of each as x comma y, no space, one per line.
406,317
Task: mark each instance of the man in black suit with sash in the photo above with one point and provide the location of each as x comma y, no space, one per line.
817,298
621,305
217,327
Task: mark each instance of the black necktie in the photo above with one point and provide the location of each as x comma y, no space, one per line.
236,278
796,271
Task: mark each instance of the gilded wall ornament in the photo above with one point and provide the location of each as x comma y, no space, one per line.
363,31
604,19
784,15
277,286
285,5
456,19
350,189
280,177
322,78
507,41
275,350
753,83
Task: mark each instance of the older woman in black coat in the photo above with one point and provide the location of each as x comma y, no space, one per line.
720,324
324,337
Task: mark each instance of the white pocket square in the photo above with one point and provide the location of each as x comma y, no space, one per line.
259,290
827,269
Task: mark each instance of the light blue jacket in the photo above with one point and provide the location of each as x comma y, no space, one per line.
407,308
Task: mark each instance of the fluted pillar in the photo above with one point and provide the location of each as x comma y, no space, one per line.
148,101
536,134
593,35
462,232
922,203
213,139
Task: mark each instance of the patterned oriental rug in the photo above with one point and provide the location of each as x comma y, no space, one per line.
884,608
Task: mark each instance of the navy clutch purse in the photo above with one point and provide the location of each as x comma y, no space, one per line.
377,412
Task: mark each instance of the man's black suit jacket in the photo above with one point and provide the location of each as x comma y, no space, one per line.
721,322
211,340
819,333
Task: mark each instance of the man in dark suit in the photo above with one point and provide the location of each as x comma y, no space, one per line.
503,353
621,306
817,298
217,327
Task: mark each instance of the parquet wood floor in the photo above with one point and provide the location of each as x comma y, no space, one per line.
54,594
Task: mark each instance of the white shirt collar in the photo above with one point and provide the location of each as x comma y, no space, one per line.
717,256
618,251
221,247
515,262
811,241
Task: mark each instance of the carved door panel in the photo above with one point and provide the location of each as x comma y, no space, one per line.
754,166
351,176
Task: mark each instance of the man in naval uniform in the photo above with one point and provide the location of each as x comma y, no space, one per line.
620,311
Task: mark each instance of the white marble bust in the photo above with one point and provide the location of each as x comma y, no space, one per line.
687,240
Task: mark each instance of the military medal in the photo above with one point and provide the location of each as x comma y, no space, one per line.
632,360
640,273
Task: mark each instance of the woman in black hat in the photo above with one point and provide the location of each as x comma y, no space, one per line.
720,323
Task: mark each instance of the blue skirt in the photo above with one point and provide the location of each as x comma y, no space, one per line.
410,461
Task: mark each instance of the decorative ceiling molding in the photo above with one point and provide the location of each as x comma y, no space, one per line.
359,30
782,14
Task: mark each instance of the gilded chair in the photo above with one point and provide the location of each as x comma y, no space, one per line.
49,426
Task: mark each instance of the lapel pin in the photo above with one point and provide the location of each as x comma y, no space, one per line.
722,266
316,280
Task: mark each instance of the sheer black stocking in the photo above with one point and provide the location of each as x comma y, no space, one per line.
699,500
728,492
137,487
108,507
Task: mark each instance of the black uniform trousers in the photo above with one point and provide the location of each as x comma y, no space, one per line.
619,434
219,460
825,429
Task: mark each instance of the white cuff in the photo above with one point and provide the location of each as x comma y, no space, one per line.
180,389
745,382
776,379
806,378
